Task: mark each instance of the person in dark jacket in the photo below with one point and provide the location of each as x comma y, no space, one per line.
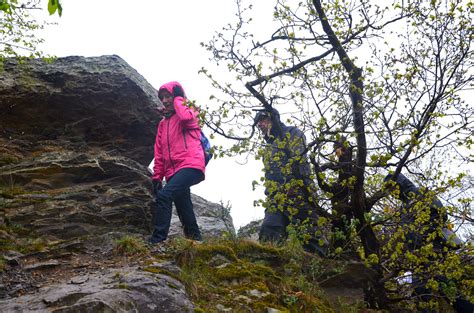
430,230
410,194
289,189
179,158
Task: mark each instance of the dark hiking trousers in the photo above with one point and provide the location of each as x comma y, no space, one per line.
274,229
177,190
460,304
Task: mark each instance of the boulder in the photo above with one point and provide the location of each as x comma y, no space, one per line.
250,231
76,136
98,101
112,290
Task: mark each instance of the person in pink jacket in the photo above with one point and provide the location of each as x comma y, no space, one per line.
179,158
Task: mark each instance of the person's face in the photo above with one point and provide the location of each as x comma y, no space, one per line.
167,99
265,124
339,151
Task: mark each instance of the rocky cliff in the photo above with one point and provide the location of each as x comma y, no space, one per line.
76,135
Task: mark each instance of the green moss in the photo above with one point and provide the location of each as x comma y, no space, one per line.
7,244
154,270
202,253
262,306
206,252
245,287
16,229
9,191
25,79
246,246
38,245
171,285
157,270
248,266
301,302
6,159
231,272
18,238
3,265
117,275
263,271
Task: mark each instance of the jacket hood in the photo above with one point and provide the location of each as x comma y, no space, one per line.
406,186
274,114
169,87
277,125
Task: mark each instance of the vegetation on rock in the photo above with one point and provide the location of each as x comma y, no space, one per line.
242,275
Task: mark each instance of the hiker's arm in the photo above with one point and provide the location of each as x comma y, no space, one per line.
187,115
297,147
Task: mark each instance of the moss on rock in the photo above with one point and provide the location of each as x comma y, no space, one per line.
242,276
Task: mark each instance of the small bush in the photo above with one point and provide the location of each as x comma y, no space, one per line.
130,245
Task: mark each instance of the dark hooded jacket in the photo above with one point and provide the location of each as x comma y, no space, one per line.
287,144
410,194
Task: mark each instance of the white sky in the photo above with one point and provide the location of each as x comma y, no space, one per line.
161,40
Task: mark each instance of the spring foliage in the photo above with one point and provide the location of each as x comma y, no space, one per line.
19,29
377,88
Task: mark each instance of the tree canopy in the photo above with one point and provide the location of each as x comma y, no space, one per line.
19,29
378,88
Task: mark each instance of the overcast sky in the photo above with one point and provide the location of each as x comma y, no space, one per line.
161,40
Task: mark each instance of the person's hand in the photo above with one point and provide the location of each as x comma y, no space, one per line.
178,91
160,109
156,186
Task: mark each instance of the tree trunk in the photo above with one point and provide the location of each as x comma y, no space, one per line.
375,291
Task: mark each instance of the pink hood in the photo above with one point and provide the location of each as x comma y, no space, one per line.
169,86
178,140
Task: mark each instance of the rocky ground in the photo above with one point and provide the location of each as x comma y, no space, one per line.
76,277
57,262
116,272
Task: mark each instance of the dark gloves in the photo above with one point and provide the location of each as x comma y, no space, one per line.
178,91
156,186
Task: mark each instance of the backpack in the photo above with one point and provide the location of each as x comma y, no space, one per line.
206,146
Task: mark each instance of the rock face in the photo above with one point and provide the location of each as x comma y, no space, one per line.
76,136
250,230
99,102
113,290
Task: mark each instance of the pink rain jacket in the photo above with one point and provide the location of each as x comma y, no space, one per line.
178,140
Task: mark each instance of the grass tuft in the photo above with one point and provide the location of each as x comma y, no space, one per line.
130,245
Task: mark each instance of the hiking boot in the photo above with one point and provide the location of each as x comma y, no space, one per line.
152,242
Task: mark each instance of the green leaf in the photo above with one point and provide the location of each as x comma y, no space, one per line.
54,5
5,7
60,9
